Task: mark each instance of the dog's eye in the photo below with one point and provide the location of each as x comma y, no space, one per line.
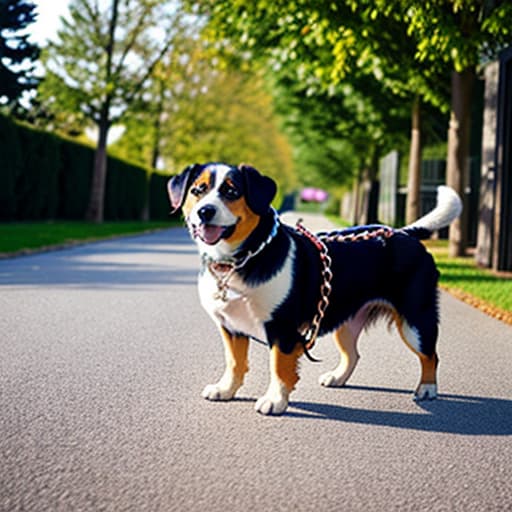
198,190
229,191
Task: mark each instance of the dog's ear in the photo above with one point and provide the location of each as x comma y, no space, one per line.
259,189
178,185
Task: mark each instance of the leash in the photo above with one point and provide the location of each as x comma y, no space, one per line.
310,332
382,232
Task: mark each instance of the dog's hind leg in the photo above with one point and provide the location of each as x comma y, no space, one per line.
415,340
427,388
346,340
235,352
283,377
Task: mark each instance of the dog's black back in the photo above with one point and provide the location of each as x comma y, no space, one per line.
395,271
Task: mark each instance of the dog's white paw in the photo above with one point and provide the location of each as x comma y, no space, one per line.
215,392
274,401
426,392
331,380
271,405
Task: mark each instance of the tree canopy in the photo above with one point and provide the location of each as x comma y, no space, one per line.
196,110
99,63
416,50
17,53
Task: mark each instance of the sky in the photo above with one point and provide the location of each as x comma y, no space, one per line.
47,23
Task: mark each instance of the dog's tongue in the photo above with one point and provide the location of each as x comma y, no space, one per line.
210,234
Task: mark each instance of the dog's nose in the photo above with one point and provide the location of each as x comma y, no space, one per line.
206,213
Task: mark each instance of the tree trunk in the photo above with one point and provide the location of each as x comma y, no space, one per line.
97,197
356,193
412,211
457,168
372,213
99,176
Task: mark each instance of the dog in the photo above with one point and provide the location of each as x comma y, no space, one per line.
264,280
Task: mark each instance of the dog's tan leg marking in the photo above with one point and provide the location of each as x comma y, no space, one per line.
427,388
235,352
346,340
283,377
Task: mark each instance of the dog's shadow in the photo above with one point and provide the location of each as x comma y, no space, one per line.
454,414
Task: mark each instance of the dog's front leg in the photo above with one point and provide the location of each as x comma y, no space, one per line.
283,377
235,351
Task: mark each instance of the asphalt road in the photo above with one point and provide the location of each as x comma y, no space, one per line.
104,351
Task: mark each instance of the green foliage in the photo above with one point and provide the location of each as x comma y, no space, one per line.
98,66
198,111
460,32
126,190
75,179
336,134
336,49
43,176
159,199
23,236
100,59
346,76
10,167
16,52
37,185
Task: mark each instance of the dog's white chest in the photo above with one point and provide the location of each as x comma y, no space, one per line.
243,308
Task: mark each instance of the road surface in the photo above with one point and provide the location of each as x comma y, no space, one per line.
104,351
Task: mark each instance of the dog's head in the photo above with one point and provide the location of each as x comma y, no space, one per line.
222,204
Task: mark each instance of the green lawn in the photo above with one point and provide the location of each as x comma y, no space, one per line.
19,236
462,274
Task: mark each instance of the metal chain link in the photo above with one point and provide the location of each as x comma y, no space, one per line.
310,332
336,236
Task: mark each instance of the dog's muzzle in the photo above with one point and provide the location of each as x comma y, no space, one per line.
206,230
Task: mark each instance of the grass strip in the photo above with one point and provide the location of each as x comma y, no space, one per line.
19,237
482,288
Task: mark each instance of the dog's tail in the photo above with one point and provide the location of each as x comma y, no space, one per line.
448,208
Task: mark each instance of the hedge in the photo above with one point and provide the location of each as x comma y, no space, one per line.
37,185
74,180
159,206
45,177
10,167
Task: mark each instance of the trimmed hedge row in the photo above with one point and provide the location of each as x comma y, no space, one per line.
46,177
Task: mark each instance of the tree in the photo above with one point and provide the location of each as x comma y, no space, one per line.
462,33
196,109
98,67
337,50
16,52
326,40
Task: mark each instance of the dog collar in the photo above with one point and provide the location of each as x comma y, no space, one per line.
223,269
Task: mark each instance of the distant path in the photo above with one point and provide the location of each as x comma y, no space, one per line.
104,351
313,221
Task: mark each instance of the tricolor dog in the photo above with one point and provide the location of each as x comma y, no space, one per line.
265,280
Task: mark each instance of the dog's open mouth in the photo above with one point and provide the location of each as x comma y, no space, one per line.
210,234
